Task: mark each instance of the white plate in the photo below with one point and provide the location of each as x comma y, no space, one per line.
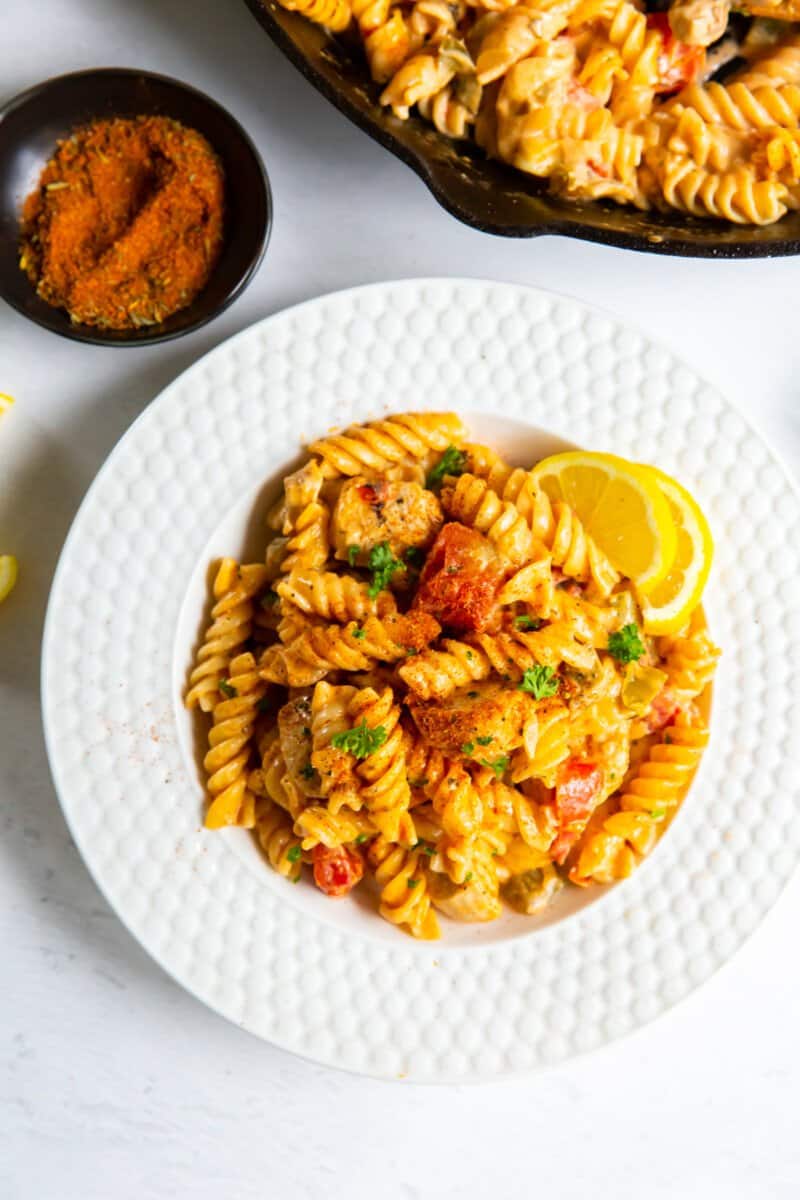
329,980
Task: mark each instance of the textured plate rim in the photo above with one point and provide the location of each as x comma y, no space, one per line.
161,402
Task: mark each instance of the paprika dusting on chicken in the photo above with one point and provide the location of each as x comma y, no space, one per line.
126,223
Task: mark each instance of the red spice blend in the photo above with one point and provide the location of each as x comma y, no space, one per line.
126,224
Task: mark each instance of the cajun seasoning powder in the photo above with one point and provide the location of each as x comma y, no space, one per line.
126,224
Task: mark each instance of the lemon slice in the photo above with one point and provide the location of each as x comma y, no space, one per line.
667,606
621,507
8,574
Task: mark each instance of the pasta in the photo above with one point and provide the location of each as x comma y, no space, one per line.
422,684
588,95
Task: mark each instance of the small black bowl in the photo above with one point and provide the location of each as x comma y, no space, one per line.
32,123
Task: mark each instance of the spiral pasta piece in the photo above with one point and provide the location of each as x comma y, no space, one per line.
737,195
333,14
230,747
458,803
333,597
383,781
316,825
471,501
309,546
234,590
272,779
426,766
662,779
512,654
435,674
741,107
407,437
778,66
403,881
541,758
278,840
690,663
353,647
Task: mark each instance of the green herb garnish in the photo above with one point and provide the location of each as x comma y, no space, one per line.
452,462
484,741
359,633
352,554
293,854
269,599
362,837
468,747
499,766
307,771
383,565
361,741
658,813
412,883
525,622
539,682
468,876
626,645
227,689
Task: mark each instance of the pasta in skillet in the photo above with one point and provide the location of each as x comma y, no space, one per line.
604,99
440,683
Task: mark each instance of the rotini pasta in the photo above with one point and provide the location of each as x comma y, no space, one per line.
588,95
467,705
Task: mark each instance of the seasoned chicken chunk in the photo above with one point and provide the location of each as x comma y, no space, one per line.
484,722
294,726
471,901
699,22
461,579
369,513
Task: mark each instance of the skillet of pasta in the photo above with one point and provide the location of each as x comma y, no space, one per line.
450,685
694,108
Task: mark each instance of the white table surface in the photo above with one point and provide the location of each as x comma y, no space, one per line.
115,1084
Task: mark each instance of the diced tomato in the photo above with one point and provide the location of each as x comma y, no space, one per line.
460,579
577,788
372,493
679,63
337,871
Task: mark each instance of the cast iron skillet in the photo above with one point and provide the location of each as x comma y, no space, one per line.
488,195
32,123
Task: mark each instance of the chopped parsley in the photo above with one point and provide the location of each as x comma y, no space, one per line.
452,462
525,622
658,813
361,741
468,876
269,599
411,651
625,645
352,554
227,689
422,782
539,682
499,766
424,848
293,854
362,837
359,633
484,741
412,883
307,771
383,565
468,747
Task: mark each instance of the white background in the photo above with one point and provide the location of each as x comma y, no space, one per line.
114,1083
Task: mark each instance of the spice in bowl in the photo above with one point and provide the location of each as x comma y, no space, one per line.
126,224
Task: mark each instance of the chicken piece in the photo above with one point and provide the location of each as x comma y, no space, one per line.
294,727
484,722
461,579
699,22
471,901
369,513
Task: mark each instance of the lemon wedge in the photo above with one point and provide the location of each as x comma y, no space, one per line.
620,505
8,574
668,605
